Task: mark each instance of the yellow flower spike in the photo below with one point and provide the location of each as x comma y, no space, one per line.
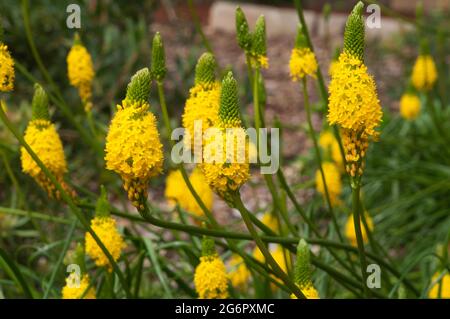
177,191
76,287
333,180
80,71
303,61
104,226
239,273
353,101
270,221
350,229
330,145
409,106
43,139
7,74
203,102
210,278
440,288
133,147
224,172
424,73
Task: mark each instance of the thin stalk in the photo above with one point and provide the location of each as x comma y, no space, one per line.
356,207
165,113
60,258
262,247
198,26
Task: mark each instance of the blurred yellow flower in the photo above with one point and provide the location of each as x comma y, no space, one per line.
302,63
239,273
6,69
73,291
424,73
333,182
441,288
330,145
350,229
80,71
409,106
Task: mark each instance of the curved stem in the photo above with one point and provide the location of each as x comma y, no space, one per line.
262,247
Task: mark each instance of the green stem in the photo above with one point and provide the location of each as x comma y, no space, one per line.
165,113
198,26
356,207
262,247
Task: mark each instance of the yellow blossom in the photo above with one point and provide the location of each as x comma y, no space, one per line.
80,71
202,106
441,288
270,221
105,228
330,145
332,67
333,181
178,192
350,229
239,273
309,291
6,69
133,148
210,279
73,291
424,73
279,255
43,139
302,63
409,106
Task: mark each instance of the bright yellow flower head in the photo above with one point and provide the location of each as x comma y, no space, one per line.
225,155
72,291
203,106
239,273
409,106
211,279
302,63
332,68
43,139
353,102
443,283
80,71
106,229
133,148
333,180
178,192
6,69
330,145
350,229
424,73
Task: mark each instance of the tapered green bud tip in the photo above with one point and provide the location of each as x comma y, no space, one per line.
300,40
354,32
208,248
39,104
259,37
138,90
303,265
244,37
158,66
102,208
205,70
229,108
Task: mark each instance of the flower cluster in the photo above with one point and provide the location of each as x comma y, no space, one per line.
409,106
302,63
239,273
106,230
177,191
6,69
80,71
332,180
424,73
133,148
331,148
441,287
74,290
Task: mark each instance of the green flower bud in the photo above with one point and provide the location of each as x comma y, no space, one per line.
229,108
158,67
244,38
205,70
208,248
259,37
303,269
354,32
102,207
138,90
300,40
39,104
